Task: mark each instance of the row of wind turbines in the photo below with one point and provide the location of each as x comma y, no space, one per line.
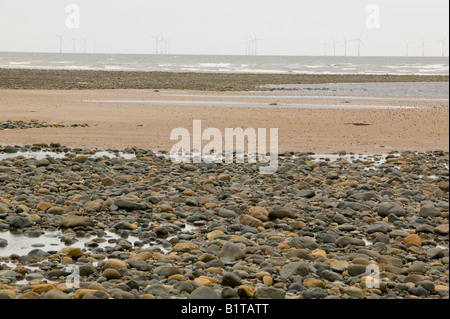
74,40
345,42
163,45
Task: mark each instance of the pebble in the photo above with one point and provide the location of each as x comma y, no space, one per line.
147,228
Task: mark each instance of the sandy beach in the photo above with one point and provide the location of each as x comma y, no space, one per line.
147,118
137,225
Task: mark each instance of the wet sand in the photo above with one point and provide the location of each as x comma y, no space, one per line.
321,126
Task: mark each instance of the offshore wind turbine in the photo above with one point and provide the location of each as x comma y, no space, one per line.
360,42
334,47
255,41
61,40
345,45
74,40
158,40
423,45
444,43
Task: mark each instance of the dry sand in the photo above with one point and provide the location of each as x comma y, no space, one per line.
119,125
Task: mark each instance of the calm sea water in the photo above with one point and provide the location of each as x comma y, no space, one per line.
228,64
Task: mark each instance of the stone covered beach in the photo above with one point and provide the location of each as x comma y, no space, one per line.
135,225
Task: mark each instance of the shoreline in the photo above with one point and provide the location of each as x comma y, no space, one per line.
101,80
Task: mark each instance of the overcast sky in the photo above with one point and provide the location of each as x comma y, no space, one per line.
286,27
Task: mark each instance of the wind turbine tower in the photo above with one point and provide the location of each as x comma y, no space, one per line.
360,42
408,43
444,44
61,40
255,42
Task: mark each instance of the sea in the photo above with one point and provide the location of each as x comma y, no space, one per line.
227,64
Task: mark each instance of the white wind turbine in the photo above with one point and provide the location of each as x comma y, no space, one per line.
444,44
61,40
360,42
158,40
255,43
423,45
345,45
334,47
74,40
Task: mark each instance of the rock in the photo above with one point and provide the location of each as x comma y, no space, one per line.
303,242
80,159
419,291
391,208
43,206
231,279
75,253
44,288
231,252
189,167
130,204
18,221
204,293
294,269
340,219
56,294
314,293
413,239
10,149
428,285
313,283
115,264
93,206
435,253
226,213
356,270
269,293
38,253
30,295
330,276
307,194
80,293
390,260
444,186
141,265
425,228
108,181
184,247
441,229
429,211
281,212
260,213
4,210
71,221
378,227
167,271
355,292
157,290
344,241
111,273
250,221
3,243
245,292
56,211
